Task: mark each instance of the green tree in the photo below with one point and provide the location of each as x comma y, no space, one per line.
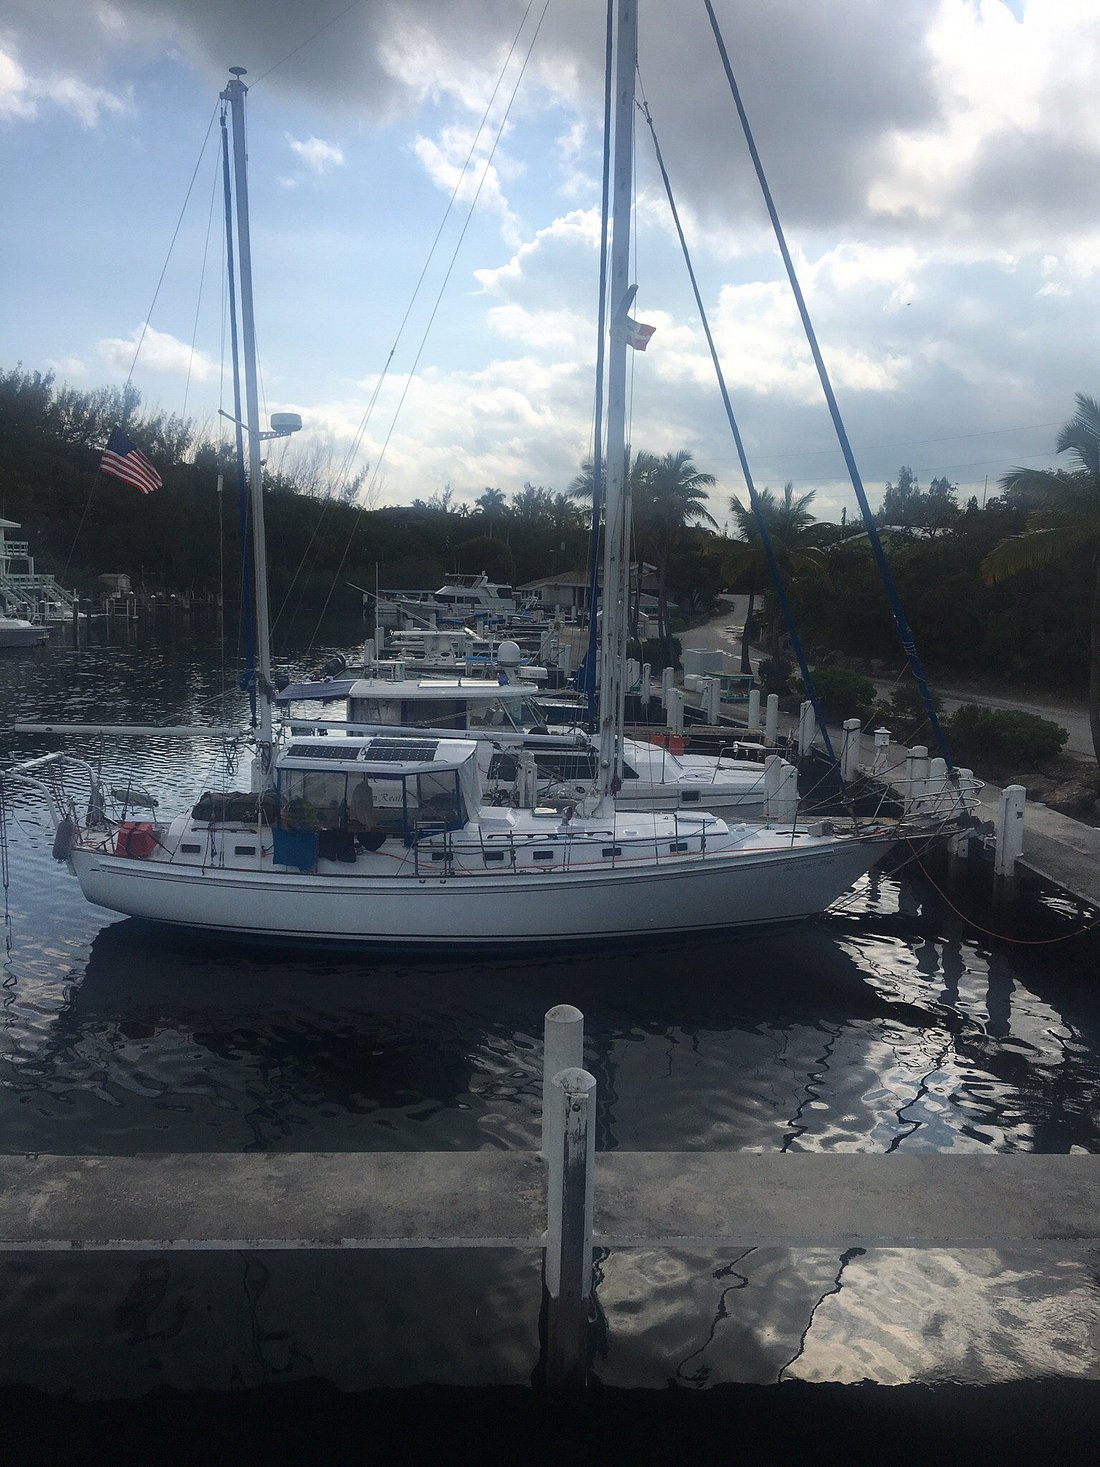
898,499
1064,524
488,554
492,505
790,529
671,495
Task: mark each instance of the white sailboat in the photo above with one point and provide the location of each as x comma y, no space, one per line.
381,840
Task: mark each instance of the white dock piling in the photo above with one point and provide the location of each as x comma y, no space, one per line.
668,682
754,711
1009,846
849,750
882,751
771,724
916,775
569,1233
807,727
647,684
562,1049
712,698
674,711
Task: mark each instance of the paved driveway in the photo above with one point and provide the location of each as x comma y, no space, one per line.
724,633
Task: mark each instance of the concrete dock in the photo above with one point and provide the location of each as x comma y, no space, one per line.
490,1199
1057,849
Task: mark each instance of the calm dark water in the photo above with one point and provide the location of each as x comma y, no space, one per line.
891,1025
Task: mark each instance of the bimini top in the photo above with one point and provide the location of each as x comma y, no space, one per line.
381,754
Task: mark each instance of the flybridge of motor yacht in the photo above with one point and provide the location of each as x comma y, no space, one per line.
460,600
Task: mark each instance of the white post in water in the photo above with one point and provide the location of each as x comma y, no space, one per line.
647,684
668,682
754,711
674,711
712,698
916,775
964,798
849,750
807,727
569,1234
771,725
1010,830
562,1049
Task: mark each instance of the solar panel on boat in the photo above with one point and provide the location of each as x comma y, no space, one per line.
337,749
403,751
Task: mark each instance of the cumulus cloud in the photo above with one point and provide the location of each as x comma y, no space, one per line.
157,351
936,164
21,94
317,155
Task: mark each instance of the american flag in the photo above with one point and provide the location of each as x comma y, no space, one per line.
123,461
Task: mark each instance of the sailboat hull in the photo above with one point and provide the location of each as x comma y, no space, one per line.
734,889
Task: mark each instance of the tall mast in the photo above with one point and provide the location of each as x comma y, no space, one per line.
235,94
616,560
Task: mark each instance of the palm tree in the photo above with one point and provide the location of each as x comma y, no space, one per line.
1064,522
492,505
788,521
637,471
670,496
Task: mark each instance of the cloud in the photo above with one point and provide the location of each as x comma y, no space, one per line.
956,116
21,94
317,155
159,351
458,162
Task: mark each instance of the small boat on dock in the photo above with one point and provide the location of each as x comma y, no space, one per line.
17,631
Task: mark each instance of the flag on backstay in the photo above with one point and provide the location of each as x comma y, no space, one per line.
123,461
638,335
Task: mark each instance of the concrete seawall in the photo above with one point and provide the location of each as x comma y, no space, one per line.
496,1199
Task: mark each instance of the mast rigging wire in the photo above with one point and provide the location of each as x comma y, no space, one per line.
761,520
900,621
435,308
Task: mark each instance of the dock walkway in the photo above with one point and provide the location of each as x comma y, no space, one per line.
492,1199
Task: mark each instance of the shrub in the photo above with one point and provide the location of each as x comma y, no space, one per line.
843,694
904,712
1003,733
774,676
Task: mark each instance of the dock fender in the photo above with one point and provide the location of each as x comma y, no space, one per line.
63,838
